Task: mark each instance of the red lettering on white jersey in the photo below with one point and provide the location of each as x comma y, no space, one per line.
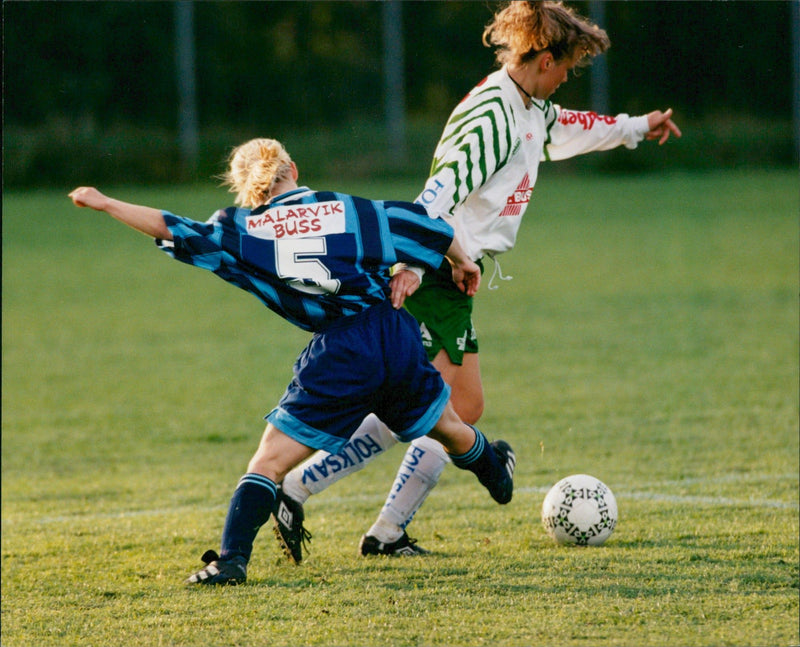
517,201
585,119
298,221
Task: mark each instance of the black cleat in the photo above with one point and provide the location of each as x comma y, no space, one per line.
289,529
220,571
405,546
503,489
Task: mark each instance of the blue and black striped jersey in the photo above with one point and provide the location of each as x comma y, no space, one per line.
311,257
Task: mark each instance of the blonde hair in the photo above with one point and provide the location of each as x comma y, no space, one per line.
521,30
253,169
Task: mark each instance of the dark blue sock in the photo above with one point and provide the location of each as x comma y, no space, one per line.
250,508
482,461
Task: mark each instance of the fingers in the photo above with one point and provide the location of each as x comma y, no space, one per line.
662,126
470,283
86,196
76,194
398,295
475,283
669,128
402,285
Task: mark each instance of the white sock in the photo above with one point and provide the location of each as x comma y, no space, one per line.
323,469
420,471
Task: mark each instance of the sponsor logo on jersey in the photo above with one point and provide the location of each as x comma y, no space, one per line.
431,192
517,201
298,220
585,119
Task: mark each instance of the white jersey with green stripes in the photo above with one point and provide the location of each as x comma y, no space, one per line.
487,160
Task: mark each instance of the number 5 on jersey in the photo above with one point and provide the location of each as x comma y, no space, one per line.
297,262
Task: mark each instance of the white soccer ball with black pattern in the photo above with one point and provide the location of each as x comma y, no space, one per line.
580,509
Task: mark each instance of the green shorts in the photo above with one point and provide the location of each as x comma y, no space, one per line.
444,314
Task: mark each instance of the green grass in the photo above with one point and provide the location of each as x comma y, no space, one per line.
649,337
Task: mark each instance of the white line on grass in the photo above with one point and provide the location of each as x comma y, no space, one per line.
694,500
621,494
646,494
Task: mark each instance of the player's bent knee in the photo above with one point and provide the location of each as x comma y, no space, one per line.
277,453
451,432
470,411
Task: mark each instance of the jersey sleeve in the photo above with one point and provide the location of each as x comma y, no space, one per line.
475,143
417,238
194,243
571,132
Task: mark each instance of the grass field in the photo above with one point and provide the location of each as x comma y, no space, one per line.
649,337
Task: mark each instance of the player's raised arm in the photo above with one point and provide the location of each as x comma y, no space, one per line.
144,219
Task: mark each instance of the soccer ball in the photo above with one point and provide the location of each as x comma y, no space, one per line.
580,509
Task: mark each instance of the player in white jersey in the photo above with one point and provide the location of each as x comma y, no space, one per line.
483,172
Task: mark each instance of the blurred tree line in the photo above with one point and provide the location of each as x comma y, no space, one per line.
90,87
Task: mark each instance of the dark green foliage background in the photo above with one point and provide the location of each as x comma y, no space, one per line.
90,88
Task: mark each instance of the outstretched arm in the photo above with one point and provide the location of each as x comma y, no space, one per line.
661,126
144,219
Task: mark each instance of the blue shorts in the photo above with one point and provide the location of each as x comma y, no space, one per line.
373,362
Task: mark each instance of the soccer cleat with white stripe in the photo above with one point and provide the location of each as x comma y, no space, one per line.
220,571
405,546
504,489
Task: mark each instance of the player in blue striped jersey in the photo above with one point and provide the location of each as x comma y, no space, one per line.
311,257
322,261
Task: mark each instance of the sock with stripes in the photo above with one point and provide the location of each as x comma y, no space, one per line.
481,460
250,508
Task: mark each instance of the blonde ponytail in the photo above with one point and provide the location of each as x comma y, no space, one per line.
253,169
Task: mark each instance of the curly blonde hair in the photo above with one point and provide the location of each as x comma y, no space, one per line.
521,30
253,169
